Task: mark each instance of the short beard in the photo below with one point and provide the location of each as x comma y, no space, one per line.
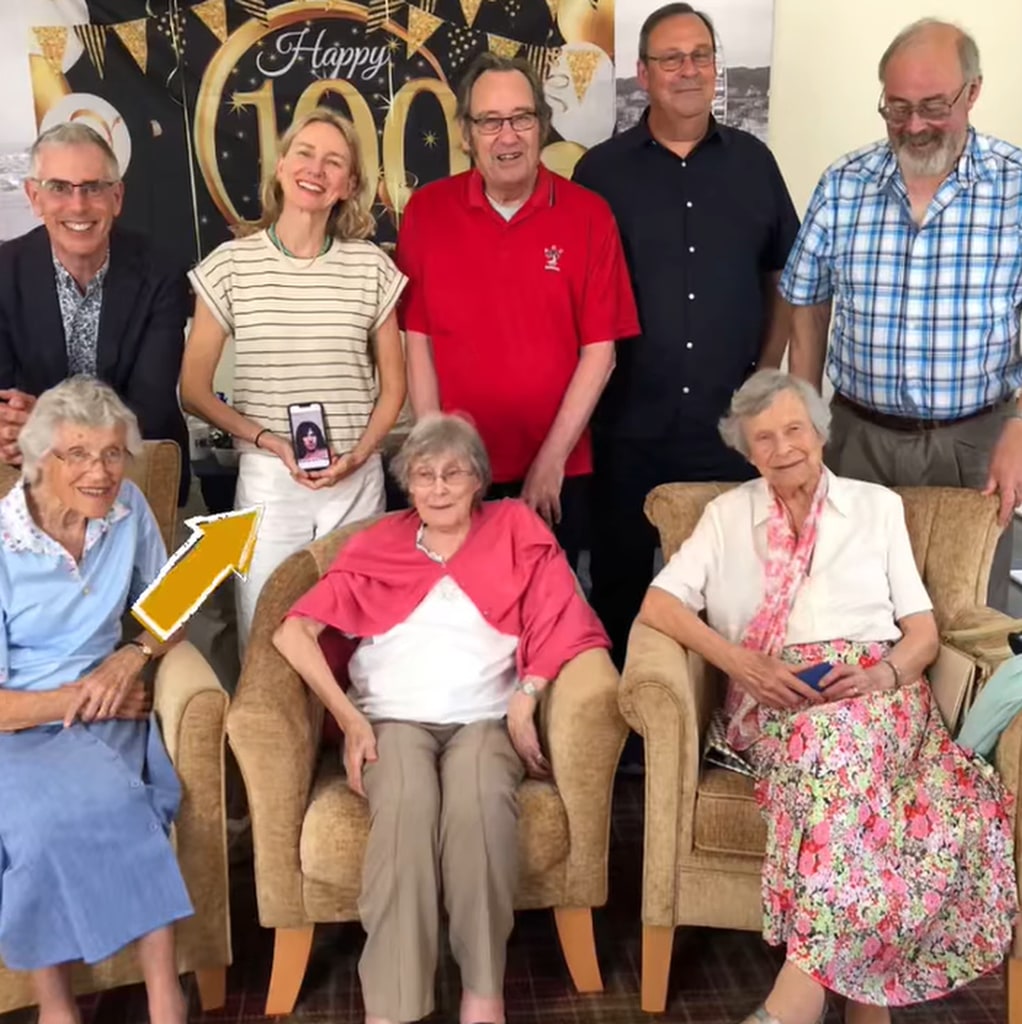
934,162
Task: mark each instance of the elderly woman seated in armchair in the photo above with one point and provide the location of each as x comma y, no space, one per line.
87,791
889,871
464,611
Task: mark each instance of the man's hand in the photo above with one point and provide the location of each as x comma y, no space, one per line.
542,488
102,693
770,680
15,407
1005,474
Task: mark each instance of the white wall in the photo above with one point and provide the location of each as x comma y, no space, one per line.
824,85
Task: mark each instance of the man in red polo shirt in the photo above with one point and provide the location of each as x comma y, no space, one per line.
518,290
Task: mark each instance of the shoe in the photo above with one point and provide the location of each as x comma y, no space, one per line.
762,1016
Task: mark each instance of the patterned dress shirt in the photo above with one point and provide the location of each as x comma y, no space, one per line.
80,314
926,316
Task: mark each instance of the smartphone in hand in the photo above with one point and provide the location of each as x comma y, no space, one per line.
812,674
308,435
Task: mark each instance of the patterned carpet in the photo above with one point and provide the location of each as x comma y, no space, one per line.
717,977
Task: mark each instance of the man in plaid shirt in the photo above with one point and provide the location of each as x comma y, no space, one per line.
915,245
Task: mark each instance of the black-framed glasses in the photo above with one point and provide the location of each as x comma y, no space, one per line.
65,189
82,458
675,60
491,124
936,108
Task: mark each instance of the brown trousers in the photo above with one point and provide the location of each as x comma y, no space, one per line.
443,814
953,456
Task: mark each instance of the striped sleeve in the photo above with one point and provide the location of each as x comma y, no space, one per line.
212,280
390,284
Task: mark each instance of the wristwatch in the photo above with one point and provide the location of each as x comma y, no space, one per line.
529,689
143,647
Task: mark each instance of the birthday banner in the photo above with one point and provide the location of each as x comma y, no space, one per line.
193,96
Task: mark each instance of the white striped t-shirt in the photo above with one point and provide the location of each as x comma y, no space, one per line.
301,328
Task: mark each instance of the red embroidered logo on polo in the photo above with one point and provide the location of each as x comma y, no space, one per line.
553,255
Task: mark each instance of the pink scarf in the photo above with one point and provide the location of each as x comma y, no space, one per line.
787,565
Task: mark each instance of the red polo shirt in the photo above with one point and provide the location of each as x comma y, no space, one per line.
508,304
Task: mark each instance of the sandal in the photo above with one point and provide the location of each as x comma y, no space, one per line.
763,1016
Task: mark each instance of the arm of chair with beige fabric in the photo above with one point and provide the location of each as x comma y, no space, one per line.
191,706
584,734
274,730
667,696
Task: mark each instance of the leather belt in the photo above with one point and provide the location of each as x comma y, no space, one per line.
907,423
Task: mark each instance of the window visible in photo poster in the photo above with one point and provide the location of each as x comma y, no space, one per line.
192,95
744,30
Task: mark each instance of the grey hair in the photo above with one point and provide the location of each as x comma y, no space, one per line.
487,61
757,394
439,434
672,10
71,133
968,51
82,401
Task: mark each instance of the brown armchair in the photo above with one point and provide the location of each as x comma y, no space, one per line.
309,830
191,707
705,837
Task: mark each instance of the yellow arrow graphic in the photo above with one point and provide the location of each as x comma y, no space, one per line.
218,546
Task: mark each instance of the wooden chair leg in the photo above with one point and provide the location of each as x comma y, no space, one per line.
575,931
212,984
291,949
656,967
1013,983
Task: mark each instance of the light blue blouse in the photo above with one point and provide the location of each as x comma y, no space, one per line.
61,619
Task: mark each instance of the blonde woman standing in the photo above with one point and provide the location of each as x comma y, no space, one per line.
310,303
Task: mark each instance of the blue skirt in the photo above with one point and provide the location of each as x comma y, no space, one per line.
86,864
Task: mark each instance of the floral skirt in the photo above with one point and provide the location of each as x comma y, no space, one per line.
889,871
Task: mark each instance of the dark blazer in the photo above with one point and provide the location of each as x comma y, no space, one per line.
141,330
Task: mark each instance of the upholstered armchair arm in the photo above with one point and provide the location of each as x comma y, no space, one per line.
275,727
667,696
191,706
584,734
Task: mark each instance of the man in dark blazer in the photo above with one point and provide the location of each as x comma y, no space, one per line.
79,295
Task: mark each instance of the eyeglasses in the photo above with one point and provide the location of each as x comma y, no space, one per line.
936,109
65,189
81,458
424,479
675,61
491,124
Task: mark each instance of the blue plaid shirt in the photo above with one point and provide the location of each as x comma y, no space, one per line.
926,318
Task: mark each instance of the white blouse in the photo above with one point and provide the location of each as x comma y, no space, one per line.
444,665
861,581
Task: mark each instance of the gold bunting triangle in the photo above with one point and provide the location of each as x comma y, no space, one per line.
132,35
421,25
470,8
213,14
52,40
582,66
502,46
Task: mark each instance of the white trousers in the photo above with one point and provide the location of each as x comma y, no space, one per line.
293,516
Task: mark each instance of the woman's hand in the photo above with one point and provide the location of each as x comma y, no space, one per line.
844,681
359,748
339,468
276,445
770,680
102,693
521,727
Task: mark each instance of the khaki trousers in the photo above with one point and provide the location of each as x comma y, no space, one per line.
443,814
953,456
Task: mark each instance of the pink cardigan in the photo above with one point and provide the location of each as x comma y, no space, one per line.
510,566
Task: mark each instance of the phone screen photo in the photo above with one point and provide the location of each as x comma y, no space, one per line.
308,435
